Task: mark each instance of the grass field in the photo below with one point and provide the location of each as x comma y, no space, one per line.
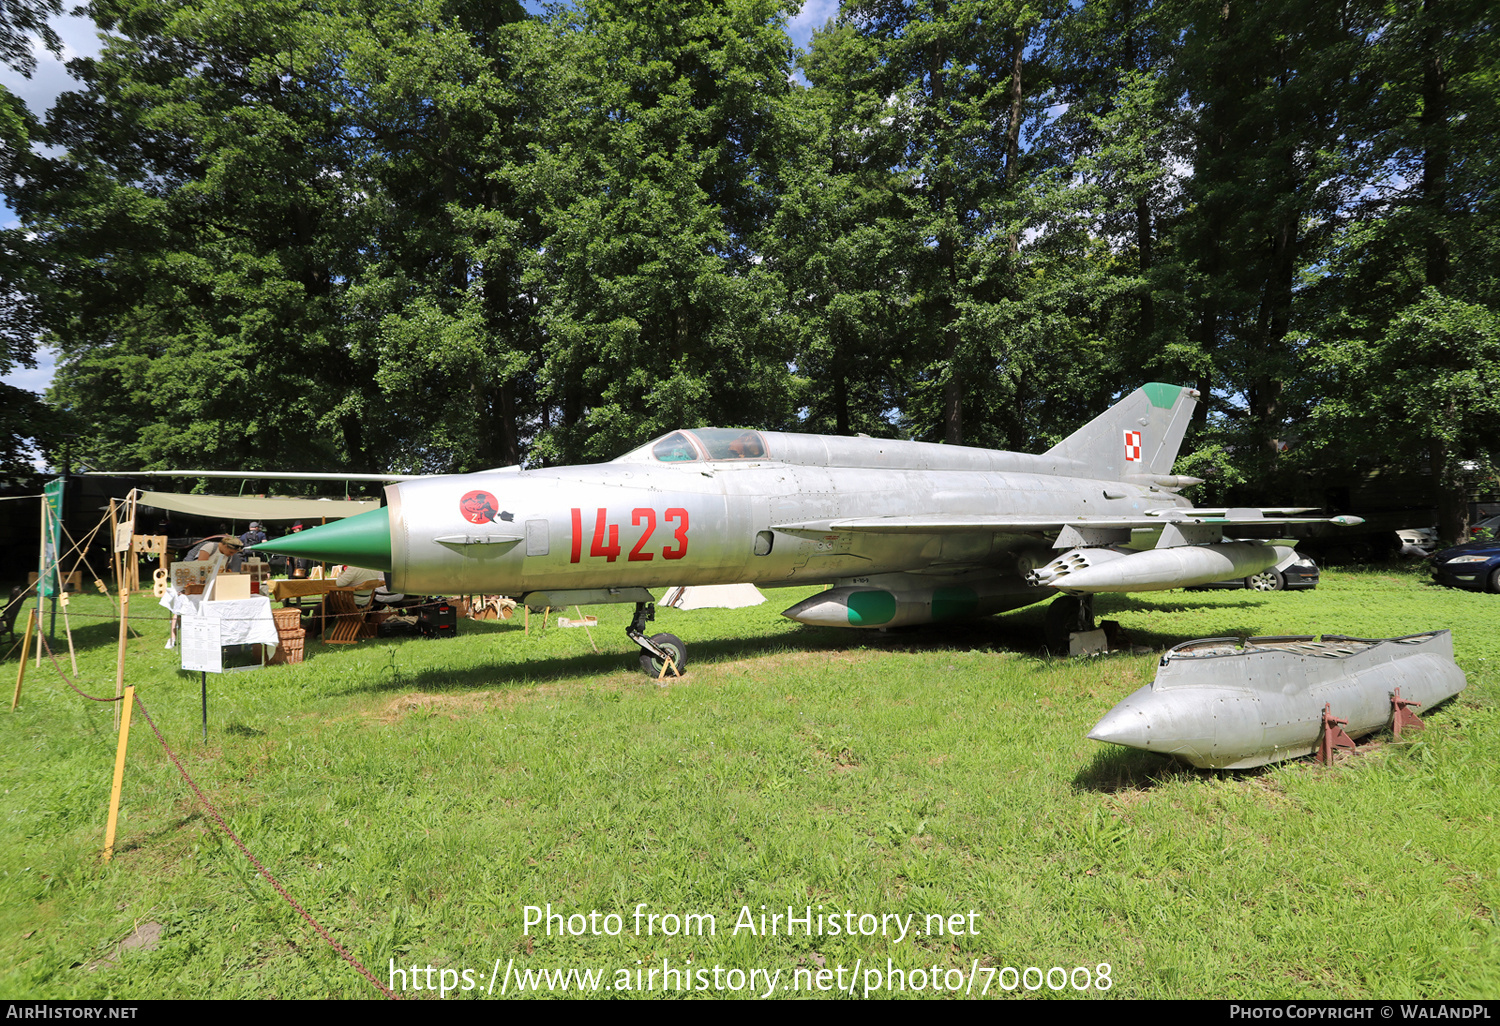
418,796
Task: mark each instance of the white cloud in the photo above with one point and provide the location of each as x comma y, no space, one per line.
34,379
813,15
80,38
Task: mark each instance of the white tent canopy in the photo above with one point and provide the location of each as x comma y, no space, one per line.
249,507
714,596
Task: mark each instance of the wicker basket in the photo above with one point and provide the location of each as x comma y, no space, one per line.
287,619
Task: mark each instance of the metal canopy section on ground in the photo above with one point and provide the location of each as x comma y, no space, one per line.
248,507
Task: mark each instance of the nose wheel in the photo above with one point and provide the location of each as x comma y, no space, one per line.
675,653
662,655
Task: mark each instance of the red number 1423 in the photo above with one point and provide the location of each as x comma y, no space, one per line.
606,540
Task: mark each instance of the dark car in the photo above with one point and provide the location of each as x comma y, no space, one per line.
1473,565
1296,572
1485,529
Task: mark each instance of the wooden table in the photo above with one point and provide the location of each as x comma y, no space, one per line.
297,588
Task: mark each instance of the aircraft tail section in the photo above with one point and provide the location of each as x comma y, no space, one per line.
1138,436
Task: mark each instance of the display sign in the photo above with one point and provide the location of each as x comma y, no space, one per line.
189,577
201,645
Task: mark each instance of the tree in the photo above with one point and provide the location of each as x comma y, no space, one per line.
653,176
1414,269
446,98
1427,392
940,91
1122,141
23,417
203,224
1282,95
836,242
20,22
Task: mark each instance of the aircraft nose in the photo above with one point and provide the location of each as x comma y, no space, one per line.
362,540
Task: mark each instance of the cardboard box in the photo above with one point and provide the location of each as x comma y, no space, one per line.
228,587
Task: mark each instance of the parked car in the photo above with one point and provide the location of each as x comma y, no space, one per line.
1418,542
1473,565
1295,572
1491,527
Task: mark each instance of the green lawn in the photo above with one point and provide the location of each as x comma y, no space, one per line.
417,797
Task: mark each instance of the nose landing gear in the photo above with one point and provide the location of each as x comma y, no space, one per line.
662,655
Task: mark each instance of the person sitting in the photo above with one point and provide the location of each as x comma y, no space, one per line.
349,577
354,576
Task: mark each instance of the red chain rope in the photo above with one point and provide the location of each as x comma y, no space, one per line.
231,834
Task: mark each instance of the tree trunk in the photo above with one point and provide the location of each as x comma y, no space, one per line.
1450,495
1143,248
1434,122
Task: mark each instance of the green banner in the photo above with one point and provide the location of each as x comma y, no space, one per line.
47,574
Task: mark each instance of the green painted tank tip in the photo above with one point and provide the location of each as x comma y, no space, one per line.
1162,395
362,540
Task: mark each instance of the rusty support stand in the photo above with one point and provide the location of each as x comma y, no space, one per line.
1333,736
1402,717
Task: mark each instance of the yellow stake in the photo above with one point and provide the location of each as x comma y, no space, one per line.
25,648
68,630
114,792
120,650
585,621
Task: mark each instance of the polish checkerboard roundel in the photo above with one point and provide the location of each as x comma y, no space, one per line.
1132,447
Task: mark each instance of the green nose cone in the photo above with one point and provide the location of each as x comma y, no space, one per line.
363,540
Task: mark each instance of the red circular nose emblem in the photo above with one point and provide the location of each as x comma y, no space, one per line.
479,507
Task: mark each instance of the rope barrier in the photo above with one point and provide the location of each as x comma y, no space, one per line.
50,655
105,616
339,948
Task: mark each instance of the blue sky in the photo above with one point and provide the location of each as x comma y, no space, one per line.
81,40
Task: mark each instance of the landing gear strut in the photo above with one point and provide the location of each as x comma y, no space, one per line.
1068,614
662,655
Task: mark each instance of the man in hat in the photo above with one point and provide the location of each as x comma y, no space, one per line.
298,567
254,536
226,548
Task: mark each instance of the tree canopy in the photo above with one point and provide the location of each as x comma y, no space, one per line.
443,235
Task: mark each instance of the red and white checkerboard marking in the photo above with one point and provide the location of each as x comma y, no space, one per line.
1132,447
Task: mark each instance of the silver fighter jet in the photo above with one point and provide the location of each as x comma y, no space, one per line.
906,532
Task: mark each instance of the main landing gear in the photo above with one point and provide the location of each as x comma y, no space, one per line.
662,655
1068,614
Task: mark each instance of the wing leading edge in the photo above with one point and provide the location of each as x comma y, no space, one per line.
945,523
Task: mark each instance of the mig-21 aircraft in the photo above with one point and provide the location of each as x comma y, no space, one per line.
905,532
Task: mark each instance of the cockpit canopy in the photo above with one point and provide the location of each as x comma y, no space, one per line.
702,444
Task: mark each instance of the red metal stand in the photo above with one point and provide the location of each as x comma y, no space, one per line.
1402,716
1333,736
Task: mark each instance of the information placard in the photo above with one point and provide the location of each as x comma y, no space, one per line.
201,646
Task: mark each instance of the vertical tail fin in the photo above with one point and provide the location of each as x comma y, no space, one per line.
1139,435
